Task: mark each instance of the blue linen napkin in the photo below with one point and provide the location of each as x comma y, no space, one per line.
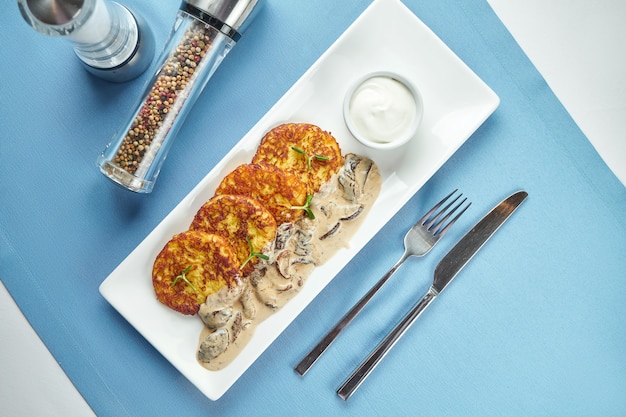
533,325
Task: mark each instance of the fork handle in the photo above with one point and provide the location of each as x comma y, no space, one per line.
323,344
367,366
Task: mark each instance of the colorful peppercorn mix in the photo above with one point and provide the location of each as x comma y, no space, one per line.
165,98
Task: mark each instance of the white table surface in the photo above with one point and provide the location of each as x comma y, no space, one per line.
578,46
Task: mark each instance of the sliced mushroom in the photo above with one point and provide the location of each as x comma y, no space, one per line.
327,209
353,176
283,233
247,302
356,213
304,260
303,242
237,326
283,263
333,230
216,318
265,293
213,345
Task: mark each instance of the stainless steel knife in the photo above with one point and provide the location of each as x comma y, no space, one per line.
445,272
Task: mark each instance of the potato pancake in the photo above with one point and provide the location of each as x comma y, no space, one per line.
237,218
305,149
277,190
191,266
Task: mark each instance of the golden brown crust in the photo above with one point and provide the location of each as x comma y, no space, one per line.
250,202
277,190
208,263
277,145
237,218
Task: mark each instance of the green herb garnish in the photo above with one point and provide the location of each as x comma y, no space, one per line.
253,254
308,157
306,207
183,277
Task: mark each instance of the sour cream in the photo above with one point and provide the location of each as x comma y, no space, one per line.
382,109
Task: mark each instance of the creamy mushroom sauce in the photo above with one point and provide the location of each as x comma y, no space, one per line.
231,315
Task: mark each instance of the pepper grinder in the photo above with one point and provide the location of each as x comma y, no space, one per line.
203,34
112,42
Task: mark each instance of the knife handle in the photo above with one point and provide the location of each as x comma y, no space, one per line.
367,366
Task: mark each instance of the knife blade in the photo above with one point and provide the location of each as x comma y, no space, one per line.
446,270
466,248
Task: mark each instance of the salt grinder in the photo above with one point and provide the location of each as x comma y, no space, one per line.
112,42
203,34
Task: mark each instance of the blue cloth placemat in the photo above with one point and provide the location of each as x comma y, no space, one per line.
533,326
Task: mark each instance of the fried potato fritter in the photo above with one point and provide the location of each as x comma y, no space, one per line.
237,218
290,165
304,149
277,190
191,266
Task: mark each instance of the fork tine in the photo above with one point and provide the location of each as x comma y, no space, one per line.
426,223
435,223
449,225
423,220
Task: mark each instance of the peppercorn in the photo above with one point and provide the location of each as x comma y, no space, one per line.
171,81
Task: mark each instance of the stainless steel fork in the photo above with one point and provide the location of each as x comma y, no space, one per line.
419,240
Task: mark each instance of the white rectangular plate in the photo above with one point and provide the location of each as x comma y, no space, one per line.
456,103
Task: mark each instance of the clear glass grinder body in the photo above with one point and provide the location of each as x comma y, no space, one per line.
196,47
